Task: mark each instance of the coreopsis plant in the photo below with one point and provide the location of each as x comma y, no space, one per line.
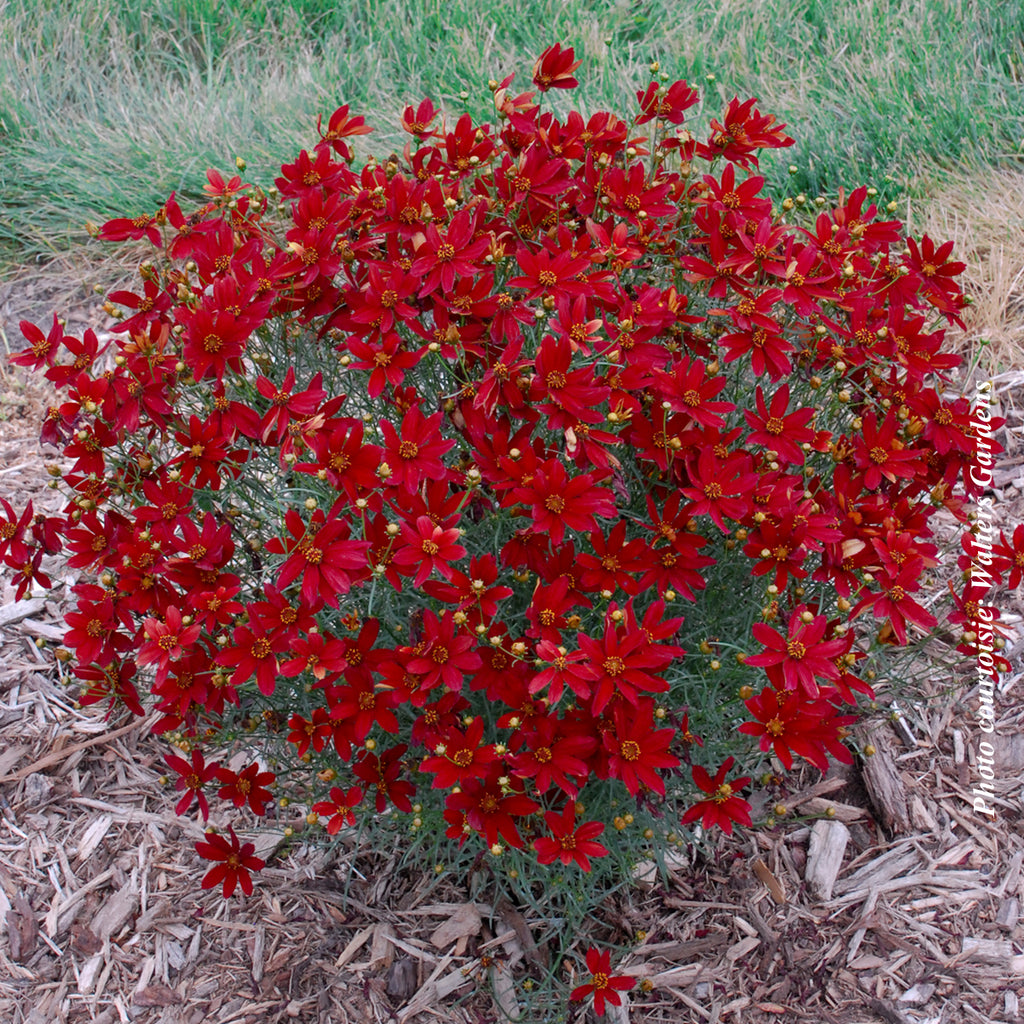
539,482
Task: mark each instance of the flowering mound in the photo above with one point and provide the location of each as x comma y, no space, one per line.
520,476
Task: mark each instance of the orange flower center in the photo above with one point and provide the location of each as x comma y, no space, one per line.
630,750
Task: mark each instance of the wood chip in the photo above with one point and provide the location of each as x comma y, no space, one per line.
401,980
22,929
513,919
769,881
115,911
836,811
885,785
12,613
825,856
464,923
93,837
503,988
985,951
1008,914
156,995
382,947
918,994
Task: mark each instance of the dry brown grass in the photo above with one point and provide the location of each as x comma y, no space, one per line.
983,213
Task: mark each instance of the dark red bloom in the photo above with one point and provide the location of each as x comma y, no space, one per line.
322,553
604,986
460,756
428,547
341,807
192,778
636,750
246,787
414,450
236,861
797,661
568,842
723,807
558,501
554,67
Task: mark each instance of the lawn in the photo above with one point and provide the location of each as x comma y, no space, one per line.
106,106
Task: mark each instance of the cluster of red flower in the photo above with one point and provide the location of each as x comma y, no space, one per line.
576,368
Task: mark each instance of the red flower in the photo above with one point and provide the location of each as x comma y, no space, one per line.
43,348
742,131
474,592
880,454
440,259
217,332
554,67
428,547
488,807
560,669
114,682
193,777
13,549
895,603
361,705
166,641
687,388
636,750
724,807
446,655
667,102
284,406
121,228
246,787
567,397
251,653
384,774
414,452
621,664
460,756
555,754
604,986
323,554
794,662
775,429
313,732
236,861
790,723
568,843
1011,550
341,807
558,501
341,126
555,274
720,487
417,122
205,454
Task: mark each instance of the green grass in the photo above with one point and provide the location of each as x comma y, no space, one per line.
107,105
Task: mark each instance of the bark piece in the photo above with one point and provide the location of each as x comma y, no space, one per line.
825,856
885,785
769,881
464,923
1009,914
401,980
986,951
22,930
156,994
